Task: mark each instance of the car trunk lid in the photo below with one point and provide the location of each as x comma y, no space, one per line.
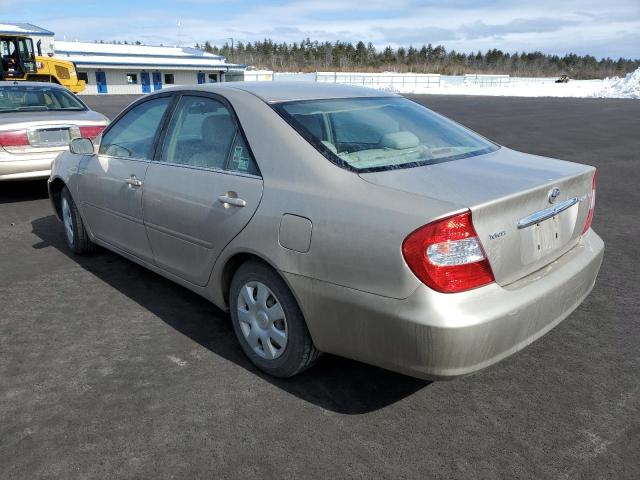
509,195
45,131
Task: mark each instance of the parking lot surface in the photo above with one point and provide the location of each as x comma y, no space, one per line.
110,371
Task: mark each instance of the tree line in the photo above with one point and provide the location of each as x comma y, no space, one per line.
312,56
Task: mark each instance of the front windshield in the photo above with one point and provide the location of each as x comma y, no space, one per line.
372,134
17,98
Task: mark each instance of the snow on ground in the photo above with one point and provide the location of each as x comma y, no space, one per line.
627,87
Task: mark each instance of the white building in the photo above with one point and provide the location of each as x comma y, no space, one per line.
123,69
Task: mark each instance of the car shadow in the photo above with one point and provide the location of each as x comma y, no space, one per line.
334,383
22,191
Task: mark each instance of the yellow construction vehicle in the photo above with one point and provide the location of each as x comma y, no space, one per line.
21,62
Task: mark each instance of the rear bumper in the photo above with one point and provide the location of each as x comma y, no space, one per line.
435,335
26,166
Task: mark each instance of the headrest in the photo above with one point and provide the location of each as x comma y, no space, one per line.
33,99
217,130
399,140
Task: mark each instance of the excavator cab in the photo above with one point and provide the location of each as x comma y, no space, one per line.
20,62
18,58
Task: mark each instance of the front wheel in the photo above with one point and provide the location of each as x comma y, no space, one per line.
268,322
75,233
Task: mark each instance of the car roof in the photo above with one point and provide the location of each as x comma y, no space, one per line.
277,91
5,83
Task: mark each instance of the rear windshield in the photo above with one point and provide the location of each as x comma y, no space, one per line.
17,98
373,134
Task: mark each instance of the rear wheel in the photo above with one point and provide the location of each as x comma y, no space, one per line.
74,231
268,322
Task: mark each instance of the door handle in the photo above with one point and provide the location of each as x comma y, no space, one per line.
227,200
133,181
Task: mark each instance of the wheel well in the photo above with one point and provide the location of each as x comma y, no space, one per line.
55,192
232,266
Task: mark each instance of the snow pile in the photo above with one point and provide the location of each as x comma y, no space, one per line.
627,87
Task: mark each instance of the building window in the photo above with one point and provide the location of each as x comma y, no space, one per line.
83,76
213,77
132,78
168,78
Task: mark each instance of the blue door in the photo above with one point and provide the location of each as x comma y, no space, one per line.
157,81
146,84
101,82
200,77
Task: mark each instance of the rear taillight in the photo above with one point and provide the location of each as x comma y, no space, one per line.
446,255
91,131
592,204
14,138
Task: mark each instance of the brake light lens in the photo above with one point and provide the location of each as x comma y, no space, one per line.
446,255
91,131
592,204
14,138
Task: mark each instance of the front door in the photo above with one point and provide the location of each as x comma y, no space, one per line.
101,82
157,81
200,77
144,80
111,183
202,191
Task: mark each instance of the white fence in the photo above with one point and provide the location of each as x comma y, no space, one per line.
487,80
258,76
391,81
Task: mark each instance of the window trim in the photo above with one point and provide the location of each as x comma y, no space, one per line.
85,75
161,125
335,159
134,76
157,157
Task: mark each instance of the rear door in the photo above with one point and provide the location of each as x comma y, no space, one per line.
111,183
202,190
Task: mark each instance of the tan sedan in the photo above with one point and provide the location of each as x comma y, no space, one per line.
337,219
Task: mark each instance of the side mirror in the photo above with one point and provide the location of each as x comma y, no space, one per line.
81,146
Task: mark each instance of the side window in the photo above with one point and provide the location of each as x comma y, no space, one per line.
132,136
241,159
200,133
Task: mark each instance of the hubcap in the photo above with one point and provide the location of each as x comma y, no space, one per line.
68,221
262,320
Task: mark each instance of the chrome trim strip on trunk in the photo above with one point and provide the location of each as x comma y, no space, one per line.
547,213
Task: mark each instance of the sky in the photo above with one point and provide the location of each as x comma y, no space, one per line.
603,28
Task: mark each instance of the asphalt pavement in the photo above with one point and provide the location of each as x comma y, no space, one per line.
110,371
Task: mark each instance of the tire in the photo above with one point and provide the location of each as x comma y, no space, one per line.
276,340
76,235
